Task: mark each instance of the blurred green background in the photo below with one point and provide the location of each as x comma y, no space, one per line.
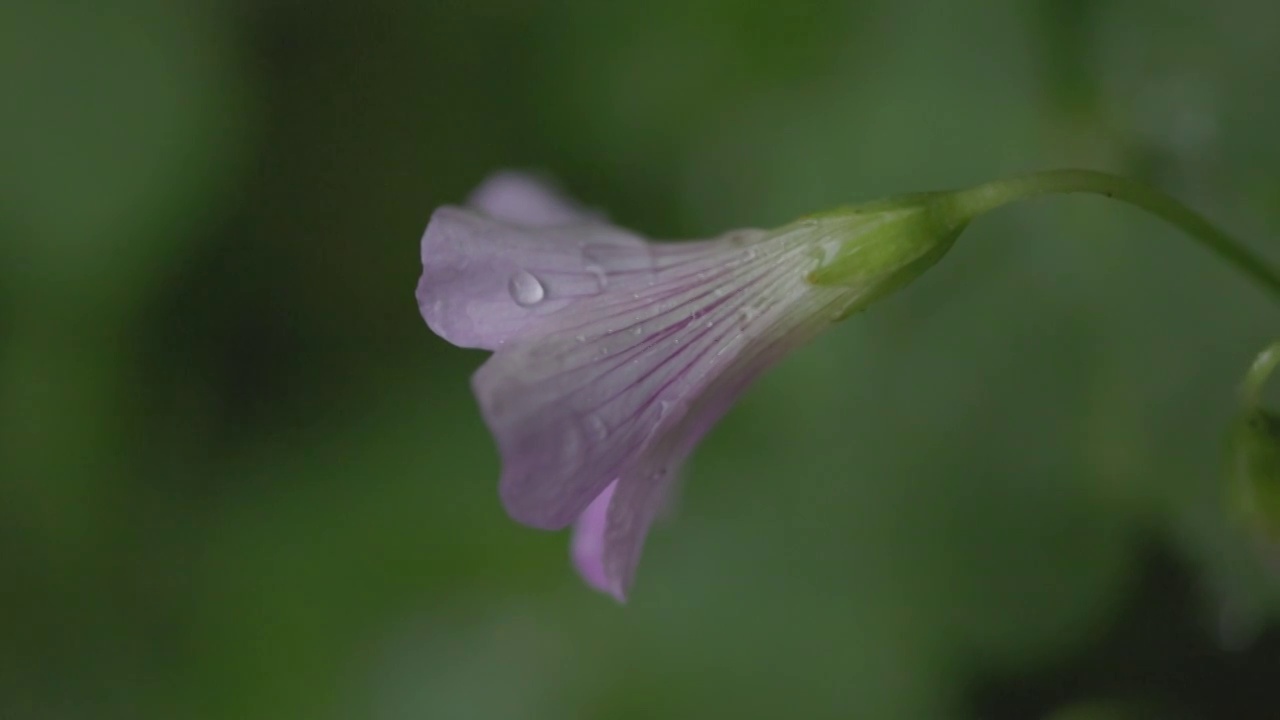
241,479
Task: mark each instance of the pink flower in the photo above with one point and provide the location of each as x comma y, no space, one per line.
614,355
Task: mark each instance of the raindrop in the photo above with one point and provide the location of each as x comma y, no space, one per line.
599,431
597,272
571,448
526,289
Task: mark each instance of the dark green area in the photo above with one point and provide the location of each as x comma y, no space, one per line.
239,478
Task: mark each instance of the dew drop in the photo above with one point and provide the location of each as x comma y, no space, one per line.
581,338
637,330
599,431
747,314
597,272
526,289
571,447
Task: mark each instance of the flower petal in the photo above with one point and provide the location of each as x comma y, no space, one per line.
609,536
523,199
634,505
588,540
486,282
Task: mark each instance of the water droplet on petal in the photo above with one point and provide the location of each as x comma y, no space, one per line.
581,338
597,272
747,314
571,447
637,330
526,289
599,431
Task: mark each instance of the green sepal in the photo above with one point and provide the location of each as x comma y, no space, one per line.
883,245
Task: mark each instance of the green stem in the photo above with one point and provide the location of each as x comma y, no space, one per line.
1261,369
968,204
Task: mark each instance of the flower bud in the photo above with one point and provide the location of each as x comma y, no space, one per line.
1253,455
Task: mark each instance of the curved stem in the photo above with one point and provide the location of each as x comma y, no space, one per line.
968,204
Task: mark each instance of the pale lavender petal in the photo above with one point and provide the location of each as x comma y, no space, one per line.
588,541
524,199
639,499
486,282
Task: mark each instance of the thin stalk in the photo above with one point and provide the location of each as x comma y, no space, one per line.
970,203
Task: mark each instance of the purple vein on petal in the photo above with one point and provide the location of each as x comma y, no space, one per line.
654,338
668,289
730,302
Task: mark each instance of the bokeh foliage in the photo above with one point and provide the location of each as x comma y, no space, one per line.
241,478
